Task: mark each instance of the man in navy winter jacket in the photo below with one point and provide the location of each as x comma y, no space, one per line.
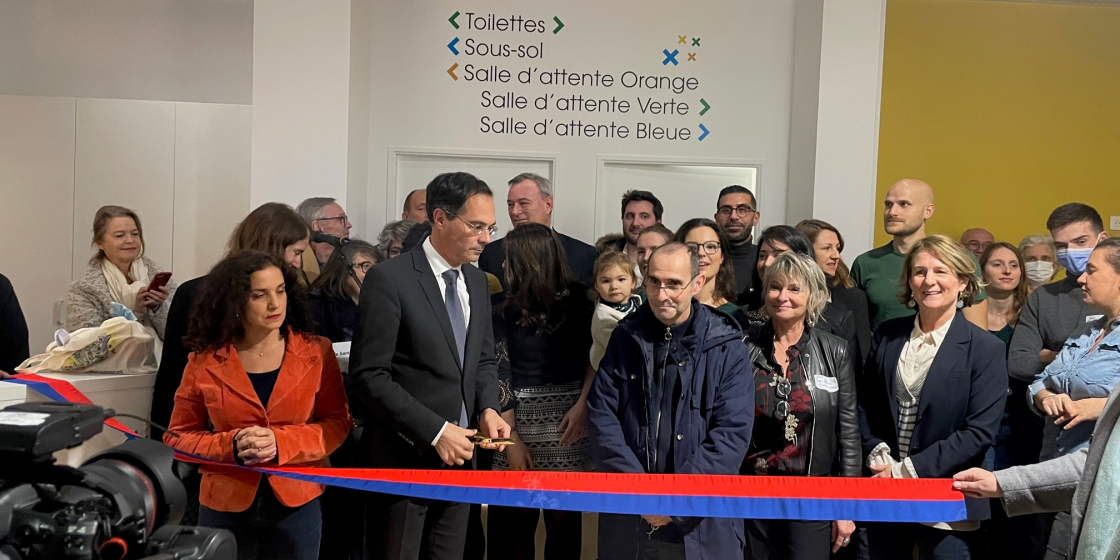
674,395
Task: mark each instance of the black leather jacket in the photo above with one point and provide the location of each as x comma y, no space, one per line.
835,448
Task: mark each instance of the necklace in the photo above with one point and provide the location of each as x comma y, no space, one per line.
261,353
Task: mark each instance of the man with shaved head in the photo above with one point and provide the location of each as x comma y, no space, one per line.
977,240
906,208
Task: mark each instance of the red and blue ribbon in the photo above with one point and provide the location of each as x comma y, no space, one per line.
749,497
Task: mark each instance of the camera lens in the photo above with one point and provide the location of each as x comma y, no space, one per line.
138,475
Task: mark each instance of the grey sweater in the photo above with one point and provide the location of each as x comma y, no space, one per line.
89,301
1052,313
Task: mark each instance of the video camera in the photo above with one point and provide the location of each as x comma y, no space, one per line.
121,504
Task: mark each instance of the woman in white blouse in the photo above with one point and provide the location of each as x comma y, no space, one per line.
932,396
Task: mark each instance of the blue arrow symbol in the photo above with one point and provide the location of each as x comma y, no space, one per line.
705,135
451,46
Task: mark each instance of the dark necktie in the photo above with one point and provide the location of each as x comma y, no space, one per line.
458,325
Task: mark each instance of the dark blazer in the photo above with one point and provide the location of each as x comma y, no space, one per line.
404,365
961,404
854,301
335,318
14,348
581,259
174,357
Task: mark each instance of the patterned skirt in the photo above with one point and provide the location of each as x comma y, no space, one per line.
538,415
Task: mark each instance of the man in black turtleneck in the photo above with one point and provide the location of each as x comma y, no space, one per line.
737,214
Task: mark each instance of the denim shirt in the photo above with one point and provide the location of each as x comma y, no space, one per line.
1081,375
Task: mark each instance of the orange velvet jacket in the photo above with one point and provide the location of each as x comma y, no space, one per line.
307,411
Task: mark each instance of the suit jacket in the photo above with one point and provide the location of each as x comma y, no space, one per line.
1062,484
581,259
960,407
855,302
404,364
307,411
175,355
14,348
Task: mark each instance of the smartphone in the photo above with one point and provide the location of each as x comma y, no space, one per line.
160,280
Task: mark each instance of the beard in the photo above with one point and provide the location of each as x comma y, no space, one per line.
903,228
737,238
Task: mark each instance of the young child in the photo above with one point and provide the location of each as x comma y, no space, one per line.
616,282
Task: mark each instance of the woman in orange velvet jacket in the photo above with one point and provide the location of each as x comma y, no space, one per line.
259,389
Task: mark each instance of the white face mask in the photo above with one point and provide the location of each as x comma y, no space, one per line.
1039,271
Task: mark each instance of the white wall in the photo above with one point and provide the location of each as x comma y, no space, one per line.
848,119
337,86
168,50
140,103
37,205
184,167
301,90
834,145
744,65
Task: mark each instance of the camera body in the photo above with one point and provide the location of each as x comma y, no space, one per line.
121,504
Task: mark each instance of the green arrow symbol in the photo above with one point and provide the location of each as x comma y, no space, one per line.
559,25
452,19
706,106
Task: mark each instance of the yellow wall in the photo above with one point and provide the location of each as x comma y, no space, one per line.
1008,109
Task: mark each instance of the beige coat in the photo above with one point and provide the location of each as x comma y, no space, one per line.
89,301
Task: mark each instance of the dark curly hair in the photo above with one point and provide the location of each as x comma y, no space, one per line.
215,319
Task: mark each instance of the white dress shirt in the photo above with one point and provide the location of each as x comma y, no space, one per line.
439,266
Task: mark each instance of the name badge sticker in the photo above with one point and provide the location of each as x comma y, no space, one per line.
827,383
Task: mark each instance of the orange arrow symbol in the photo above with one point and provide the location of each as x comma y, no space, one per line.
451,72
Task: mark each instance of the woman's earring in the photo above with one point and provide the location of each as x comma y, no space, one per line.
911,304
960,300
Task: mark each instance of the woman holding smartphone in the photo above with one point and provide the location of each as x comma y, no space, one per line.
120,273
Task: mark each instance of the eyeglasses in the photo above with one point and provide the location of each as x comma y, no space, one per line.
363,266
343,217
978,245
674,289
709,248
743,211
783,389
479,229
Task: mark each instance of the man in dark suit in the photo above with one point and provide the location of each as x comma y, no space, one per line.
423,361
530,201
